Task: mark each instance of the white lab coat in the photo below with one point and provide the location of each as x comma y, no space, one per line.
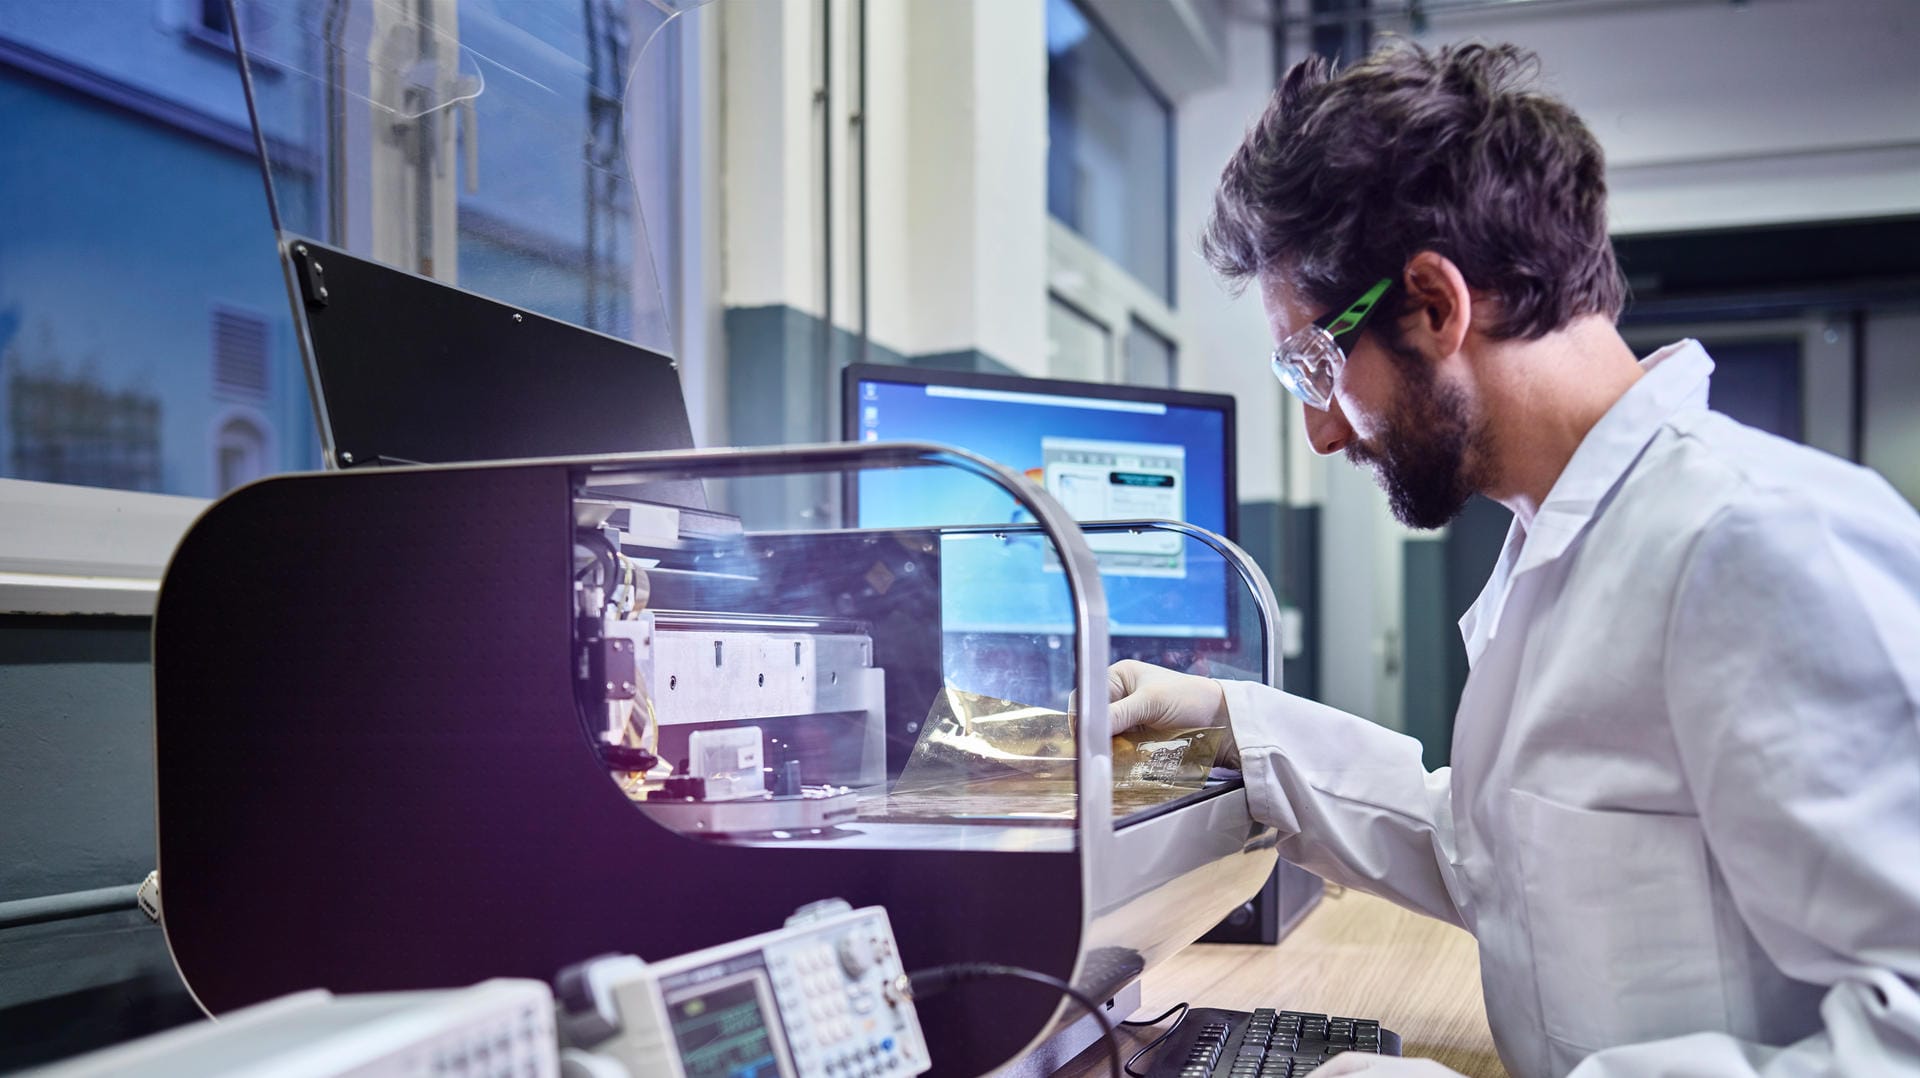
1683,812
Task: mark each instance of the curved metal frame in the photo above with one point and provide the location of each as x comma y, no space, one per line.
1254,577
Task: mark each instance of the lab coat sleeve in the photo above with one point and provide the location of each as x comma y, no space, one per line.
1793,681
1350,797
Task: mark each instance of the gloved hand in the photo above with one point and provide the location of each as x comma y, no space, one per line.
1142,694
1373,1066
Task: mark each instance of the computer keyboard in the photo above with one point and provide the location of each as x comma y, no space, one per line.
1213,1043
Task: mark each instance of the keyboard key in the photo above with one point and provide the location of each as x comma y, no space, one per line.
1265,1043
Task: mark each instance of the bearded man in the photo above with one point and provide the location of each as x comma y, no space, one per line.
1683,812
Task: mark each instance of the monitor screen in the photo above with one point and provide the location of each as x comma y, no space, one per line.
723,1031
1104,452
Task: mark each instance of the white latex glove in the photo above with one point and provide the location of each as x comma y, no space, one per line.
1373,1066
1142,694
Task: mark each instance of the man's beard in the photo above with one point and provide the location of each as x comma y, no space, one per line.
1420,458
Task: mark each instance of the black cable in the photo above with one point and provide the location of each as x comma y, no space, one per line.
932,981
1161,1017
1157,1041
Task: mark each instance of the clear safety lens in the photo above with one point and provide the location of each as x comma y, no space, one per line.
1306,363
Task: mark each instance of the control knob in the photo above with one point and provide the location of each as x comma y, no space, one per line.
857,954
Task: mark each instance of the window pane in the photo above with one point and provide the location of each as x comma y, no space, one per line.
141,304
1150,358
1076,344
1109,158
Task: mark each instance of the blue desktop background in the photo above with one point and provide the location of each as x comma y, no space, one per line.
988,585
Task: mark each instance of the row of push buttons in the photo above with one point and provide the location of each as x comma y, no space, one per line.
517,1051
1206,1051
878,1060
813,1001
1267,1037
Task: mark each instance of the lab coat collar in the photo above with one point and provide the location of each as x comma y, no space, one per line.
1675,380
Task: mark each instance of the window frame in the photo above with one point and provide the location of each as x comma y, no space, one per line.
68,549
1082,277
1172,134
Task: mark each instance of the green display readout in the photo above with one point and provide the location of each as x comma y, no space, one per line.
722,1033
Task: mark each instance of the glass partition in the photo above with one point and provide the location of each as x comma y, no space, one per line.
489,144
746,669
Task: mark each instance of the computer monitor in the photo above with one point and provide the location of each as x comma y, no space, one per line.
1106,452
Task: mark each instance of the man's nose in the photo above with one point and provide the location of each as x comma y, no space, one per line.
1327,431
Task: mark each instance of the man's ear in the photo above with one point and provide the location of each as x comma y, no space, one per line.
1439,305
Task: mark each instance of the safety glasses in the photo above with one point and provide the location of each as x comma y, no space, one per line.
1309,359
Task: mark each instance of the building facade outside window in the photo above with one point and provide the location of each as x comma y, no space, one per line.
1110,195
1110,149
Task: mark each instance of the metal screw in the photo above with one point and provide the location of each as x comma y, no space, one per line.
609,686
317,268
300,248
517,317
346,457
323,292
626,686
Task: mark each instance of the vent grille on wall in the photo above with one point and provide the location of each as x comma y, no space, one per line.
239,353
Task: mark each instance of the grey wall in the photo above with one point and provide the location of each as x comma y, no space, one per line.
1285,541
1430,700
1362,610
1891,401
76,813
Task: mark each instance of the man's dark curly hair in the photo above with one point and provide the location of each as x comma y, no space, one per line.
1347,176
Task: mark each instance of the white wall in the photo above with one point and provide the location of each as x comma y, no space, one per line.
770,225
1722,114
1226,340
956,141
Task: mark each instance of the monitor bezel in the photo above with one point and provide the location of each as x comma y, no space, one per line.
854,373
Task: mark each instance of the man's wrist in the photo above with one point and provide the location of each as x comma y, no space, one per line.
1229,755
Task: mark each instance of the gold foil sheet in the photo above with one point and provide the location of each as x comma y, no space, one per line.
982,757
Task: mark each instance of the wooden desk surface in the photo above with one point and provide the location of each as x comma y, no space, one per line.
1353,955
